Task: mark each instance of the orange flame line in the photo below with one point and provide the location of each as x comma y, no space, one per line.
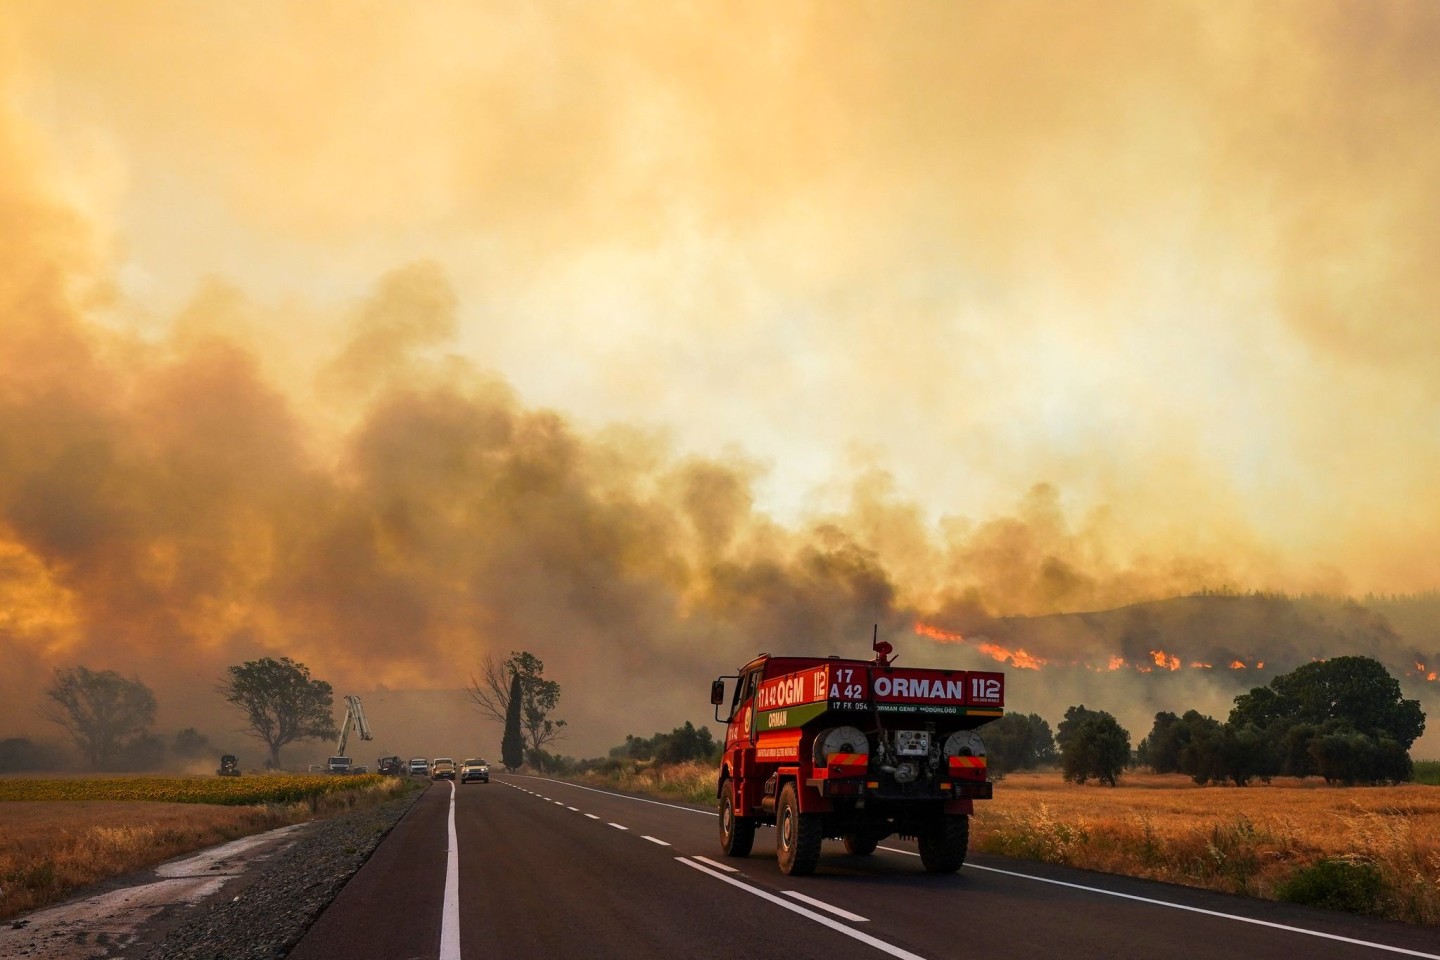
935,633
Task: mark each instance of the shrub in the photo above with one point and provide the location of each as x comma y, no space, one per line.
1335,884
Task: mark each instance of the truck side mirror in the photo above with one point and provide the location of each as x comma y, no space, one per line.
717,692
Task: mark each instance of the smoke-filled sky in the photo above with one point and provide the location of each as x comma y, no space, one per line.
645,336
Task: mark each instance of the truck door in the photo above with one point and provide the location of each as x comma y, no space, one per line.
740,731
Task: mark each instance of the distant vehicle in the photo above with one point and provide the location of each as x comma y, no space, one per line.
229,766
419,767
354,719
477,770
442,768
390,766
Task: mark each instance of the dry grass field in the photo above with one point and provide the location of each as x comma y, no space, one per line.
50,848
1369,849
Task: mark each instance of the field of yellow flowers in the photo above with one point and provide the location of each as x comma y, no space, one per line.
58,835
230,791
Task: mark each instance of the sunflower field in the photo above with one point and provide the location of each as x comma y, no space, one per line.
228,791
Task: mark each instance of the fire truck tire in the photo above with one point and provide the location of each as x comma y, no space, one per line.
737,834
943,846
859,844
797,835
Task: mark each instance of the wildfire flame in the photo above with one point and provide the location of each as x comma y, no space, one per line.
1018,659
1237,665
1165,660
935,633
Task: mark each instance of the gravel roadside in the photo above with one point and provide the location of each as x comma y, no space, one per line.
271,912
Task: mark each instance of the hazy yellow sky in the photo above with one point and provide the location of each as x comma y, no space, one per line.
1155,281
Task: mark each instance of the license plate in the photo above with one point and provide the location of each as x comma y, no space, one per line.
912,743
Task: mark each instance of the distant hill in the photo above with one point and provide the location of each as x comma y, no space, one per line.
1192,652
1225,632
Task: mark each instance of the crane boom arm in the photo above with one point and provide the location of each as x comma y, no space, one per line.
354,720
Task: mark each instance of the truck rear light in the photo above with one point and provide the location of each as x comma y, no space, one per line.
966,768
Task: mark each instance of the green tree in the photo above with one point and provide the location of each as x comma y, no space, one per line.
1357,691
281,702
680,745
512,745
1018,741
1092,744
101,711
491,693
1160,750
1343,719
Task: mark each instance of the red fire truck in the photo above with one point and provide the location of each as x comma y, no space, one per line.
853,749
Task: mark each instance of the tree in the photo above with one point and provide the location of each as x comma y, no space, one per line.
512,745
1343,719
680,745
190,744
281,702
1357,691
1092,744
19,753
491,693
1017,742
101,711
1160,750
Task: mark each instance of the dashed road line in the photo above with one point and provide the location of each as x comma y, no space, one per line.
626,796
619,826
846,914
656,840
717,864
819,918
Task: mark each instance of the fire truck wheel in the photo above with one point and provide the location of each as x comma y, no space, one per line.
942,847
860,844
797,835
737,834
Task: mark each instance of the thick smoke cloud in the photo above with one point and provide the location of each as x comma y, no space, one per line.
644,342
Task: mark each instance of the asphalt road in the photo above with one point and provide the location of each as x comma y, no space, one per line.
538,868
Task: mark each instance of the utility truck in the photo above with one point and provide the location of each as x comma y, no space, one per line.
859,750
354,720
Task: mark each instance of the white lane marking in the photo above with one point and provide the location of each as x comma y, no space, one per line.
626,796
821,919
619,826
576,809
592,816
450,914
824,906
1201,910
559,803
657,840
717,864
